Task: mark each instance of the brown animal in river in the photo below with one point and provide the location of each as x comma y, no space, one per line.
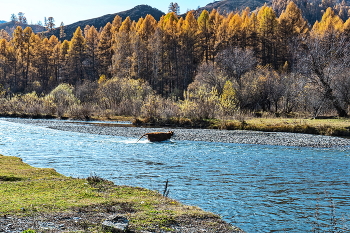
158,136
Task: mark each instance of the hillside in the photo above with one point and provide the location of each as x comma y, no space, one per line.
134,13
2,21
10,26
233,5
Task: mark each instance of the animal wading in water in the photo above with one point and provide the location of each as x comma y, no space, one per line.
158,136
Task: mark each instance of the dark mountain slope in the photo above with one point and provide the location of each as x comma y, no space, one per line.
135,14
227,6
10,26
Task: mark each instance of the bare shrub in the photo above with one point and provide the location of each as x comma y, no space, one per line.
323,58
62,96
294,94
85,91
123,96
235,62
211,77
200,103
81,112
157,107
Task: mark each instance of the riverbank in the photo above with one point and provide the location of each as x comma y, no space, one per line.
329,126
210,135
44,200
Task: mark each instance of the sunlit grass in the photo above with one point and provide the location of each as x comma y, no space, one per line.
341,122
330,127
27,190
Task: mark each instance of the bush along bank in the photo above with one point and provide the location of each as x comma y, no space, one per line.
147,108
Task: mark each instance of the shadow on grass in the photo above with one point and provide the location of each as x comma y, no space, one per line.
9,178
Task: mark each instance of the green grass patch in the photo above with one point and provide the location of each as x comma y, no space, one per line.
28,191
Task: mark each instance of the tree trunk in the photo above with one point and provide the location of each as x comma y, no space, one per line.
329,95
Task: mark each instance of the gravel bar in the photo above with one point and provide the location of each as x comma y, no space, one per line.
209,135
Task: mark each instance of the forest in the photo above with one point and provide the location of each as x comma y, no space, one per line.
200,66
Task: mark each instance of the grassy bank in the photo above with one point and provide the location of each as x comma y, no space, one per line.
330,127
28,191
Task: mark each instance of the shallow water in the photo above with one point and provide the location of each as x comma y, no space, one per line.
257,188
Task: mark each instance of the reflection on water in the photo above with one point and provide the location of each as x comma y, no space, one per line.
258,188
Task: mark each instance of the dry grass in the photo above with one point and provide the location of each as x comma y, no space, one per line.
330,127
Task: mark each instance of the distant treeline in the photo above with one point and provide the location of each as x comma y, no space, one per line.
312,10
207,66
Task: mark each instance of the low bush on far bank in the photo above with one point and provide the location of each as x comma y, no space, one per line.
202,107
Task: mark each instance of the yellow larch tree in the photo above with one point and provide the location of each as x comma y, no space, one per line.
92,40
268,28
105,51
329,24
291,25
234,30
122,50
76,57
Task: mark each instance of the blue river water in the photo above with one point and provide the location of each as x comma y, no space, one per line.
257,188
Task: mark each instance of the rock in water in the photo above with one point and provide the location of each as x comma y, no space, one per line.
116,224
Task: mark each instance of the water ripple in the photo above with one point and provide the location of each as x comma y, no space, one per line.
258,188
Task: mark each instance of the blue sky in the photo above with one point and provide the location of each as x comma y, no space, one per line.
70,11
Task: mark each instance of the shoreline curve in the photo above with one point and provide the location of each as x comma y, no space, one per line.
208,135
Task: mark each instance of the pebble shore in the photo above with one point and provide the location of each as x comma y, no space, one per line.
210,135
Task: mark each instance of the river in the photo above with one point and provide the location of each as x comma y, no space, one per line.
257,188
